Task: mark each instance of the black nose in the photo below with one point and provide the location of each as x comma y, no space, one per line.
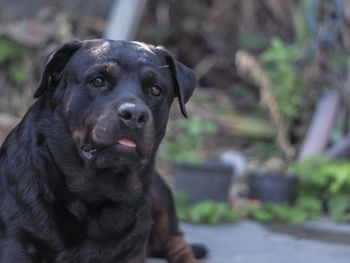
134,116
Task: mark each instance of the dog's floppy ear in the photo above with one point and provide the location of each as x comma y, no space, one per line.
54,65
184,79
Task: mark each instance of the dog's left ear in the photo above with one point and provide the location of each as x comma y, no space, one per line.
184,79
54,65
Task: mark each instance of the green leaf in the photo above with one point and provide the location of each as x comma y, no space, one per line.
18,75
262,216
296,215
339,207
184,137
278,62
206,212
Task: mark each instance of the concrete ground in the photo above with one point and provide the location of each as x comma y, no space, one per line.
250,242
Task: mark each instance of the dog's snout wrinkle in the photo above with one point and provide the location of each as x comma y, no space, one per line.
134,116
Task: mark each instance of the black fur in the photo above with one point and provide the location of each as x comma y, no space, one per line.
70,191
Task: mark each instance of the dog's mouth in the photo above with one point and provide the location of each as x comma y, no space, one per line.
126,143
90,150
124,151
107,143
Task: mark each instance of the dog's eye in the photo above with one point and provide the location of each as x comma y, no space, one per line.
98,82
156,91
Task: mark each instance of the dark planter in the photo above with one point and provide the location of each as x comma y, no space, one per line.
203,181
274,187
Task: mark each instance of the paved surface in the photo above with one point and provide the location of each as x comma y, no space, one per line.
250,242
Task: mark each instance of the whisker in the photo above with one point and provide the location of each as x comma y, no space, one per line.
166,66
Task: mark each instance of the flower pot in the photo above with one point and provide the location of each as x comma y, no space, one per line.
274,187
203,181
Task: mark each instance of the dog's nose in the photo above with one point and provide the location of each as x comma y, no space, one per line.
134,116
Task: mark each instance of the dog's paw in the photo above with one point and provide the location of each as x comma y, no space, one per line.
178,251
199,251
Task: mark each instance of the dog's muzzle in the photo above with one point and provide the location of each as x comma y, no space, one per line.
125,132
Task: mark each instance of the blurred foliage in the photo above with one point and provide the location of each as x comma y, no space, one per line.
301,29
265,150
205,212
312,206
321,182
184,137
274,212
252,40
339,207
319,174
287,87
305,207
321,178
11,58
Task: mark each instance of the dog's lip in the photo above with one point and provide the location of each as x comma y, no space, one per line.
127,143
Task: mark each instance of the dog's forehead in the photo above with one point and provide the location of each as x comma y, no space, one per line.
123,52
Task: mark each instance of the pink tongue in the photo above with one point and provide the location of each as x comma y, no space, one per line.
127,142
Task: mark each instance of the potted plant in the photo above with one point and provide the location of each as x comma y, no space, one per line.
271,186
203,181
272,183
199,179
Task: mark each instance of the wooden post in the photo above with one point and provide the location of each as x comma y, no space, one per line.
124,19
323,120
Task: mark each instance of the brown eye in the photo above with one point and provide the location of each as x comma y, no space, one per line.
98,82
156,91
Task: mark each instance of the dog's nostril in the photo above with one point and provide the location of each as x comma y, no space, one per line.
126,114
142,119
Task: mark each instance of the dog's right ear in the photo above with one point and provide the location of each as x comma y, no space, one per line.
54,65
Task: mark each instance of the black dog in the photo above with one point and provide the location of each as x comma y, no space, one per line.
76,173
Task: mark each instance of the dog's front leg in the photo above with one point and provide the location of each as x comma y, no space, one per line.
166,239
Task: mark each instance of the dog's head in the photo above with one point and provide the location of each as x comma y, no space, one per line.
114,97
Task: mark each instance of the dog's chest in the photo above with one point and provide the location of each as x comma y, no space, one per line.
105,234
91,251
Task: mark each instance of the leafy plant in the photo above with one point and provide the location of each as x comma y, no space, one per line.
206,212
286,86
212,212
274,212
256,211
311,205
339,207
317,177
184,138
320,177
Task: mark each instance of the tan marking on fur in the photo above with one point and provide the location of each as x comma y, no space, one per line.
160,230
78,136
110,66
178,251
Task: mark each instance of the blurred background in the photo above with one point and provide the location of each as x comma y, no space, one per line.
268,130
